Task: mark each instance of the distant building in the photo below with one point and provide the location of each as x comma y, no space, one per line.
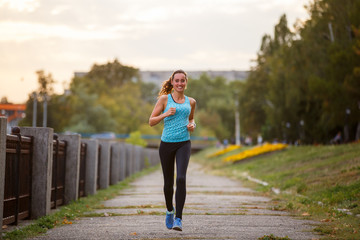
13,112
158,77
79,74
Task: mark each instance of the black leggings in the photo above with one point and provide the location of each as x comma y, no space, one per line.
168,152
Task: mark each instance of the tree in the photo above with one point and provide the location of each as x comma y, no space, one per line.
88,116
114,74
46,83
42,95
4,100
114,94
214,105
306,82
127,107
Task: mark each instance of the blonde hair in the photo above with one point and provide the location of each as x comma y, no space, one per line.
166,86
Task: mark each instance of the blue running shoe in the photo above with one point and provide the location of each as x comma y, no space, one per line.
177,224
169,220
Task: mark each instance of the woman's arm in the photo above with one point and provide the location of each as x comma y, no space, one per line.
157,115
191,126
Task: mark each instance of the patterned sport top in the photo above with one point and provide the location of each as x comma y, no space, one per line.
175,129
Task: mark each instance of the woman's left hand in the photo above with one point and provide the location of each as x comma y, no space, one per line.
191,127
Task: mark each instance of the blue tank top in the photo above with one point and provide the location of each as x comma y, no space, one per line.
175,129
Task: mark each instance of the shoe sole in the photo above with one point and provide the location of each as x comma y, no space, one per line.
177,228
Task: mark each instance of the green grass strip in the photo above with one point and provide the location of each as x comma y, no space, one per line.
321,183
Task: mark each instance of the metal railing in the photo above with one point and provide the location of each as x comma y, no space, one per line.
98,168
58,173
82,172
18,177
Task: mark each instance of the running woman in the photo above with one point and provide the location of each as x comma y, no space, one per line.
177,111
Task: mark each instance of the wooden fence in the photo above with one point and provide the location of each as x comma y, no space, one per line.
17,191
58,173
82,170
18,186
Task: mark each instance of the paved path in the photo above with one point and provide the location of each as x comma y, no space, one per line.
215,208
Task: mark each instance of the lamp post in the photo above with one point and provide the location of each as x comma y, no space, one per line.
45,110
34,95
237,121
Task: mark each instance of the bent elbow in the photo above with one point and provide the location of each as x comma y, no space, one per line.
151,123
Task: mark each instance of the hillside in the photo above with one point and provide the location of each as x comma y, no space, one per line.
316,182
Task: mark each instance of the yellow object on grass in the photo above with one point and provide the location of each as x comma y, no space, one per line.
225,150
267,147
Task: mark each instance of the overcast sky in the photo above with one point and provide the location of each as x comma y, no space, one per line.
63,36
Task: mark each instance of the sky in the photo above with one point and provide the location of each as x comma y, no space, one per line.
65,36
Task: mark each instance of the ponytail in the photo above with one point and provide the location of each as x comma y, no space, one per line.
166,86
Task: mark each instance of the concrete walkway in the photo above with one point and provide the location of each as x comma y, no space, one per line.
215,208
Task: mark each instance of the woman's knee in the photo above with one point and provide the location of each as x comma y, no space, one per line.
180,180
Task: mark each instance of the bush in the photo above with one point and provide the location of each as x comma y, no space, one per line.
135,139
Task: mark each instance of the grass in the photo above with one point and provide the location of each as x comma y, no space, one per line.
316,182
272,237
73,211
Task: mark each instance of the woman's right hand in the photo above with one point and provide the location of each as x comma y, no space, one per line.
171,111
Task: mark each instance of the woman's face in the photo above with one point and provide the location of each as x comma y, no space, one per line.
179,82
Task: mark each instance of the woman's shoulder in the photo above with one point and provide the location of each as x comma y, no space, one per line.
192,100
163,97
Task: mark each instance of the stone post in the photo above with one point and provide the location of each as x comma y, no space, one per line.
137,158
153,155
133,159
122,170
115,163
129,159
146,157
41,170
149,155
142,158
104,164
72,166
3,129
92,154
